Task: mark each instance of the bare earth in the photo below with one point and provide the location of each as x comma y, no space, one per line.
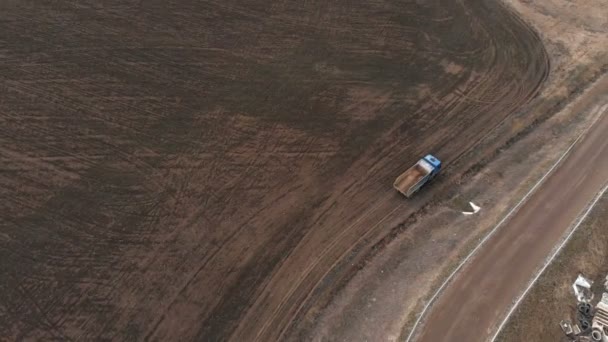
383,300
498,284
551,299
477,299
188,170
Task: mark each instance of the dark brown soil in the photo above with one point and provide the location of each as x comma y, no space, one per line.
211,170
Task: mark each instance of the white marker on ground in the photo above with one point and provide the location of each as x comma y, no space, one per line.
475,209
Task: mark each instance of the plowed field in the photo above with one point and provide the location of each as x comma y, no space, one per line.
214,170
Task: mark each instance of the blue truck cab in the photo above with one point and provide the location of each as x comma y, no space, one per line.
435,162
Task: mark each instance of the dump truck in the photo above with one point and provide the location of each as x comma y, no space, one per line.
416,176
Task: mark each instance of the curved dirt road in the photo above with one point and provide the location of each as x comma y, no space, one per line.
213,169
475,302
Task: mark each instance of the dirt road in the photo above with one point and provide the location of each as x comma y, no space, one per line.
477,299
182,170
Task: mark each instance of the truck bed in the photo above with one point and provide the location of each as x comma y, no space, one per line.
410,178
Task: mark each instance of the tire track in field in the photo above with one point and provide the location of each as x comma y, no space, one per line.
179,198
512,103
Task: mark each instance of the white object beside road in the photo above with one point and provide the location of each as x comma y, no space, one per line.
475,209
